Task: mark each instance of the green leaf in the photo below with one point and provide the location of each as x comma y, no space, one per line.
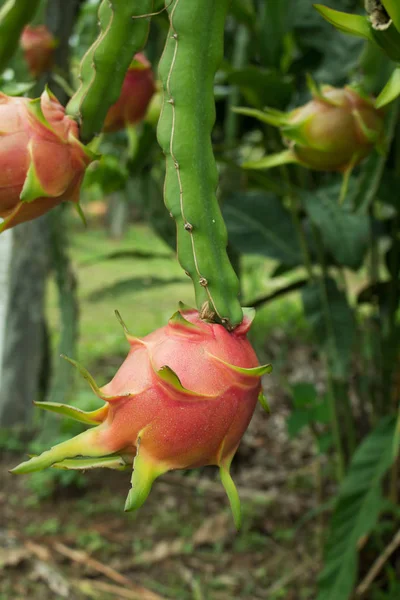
357,510
344,234
353,24
262,87
129,286
391,90
303,394
332,322
259,224
393,10
297,420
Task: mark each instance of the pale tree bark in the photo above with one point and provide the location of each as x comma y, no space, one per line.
5,257
36,249
24,339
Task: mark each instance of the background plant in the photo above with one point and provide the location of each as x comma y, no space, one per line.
334,266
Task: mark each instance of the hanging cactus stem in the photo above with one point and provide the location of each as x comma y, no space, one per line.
14,15
105,64
192,52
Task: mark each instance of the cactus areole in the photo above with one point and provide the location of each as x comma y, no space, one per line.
182,398
42,161
38,44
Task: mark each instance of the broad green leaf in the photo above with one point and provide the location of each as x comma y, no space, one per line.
303,394
391,90
332,322
262,87
130,286
393,10
344,234
353,24
358,506
297,420
259,224
274,23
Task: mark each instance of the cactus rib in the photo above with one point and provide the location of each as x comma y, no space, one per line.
106,62
192,52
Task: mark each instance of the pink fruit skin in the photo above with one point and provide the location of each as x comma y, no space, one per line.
38,45
37,138
136,93
177,429
182,398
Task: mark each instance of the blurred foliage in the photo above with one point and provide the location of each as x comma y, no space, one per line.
289,233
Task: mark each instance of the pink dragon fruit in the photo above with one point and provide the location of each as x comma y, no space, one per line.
38,44
183,398
136,93
42,161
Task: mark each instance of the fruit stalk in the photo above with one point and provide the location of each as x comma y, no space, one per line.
124,28
192,53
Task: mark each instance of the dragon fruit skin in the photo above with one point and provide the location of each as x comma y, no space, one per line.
38,45
42,161
182,398
137,91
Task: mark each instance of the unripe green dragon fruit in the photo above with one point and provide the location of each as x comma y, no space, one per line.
137,90
333,132
38,45
183,398
42,161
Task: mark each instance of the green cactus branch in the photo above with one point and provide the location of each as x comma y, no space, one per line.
14,15
104,65
193,51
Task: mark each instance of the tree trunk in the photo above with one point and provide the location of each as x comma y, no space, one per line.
24,339
5,256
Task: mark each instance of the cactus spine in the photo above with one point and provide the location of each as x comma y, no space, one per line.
104,65
14,15
193,50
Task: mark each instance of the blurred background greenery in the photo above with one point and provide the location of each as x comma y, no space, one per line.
319,475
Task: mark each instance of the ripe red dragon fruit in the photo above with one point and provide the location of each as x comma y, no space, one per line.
38,44
183,398
136,93
335,130
42,161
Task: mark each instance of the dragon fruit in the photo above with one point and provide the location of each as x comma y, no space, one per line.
42,161
136,93
182,398
38,44
335,130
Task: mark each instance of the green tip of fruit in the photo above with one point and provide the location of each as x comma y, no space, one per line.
233,496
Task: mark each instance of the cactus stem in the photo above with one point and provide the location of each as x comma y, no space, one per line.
188,226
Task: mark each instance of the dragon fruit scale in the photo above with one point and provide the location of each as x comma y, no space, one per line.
182,398
42,161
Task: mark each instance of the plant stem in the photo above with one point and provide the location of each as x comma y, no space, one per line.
193,51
